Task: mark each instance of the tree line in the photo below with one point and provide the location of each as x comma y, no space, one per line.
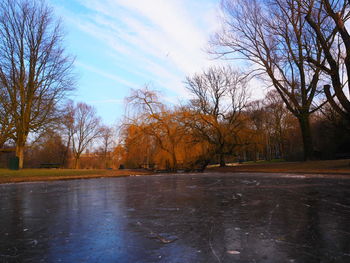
299,50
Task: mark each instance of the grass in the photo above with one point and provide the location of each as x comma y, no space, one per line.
46,172
30,175
317,167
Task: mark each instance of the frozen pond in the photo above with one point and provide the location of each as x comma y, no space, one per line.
177,218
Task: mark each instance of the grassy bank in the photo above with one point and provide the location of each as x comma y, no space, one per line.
30,175
339,167
316,167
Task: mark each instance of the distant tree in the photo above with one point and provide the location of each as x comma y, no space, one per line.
119,156
107,138
84,129
275,39
48,148
67,130
137,147
35,73
332,134
334,38
280,122
272,123
219,96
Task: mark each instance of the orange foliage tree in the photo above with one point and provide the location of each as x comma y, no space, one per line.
154,134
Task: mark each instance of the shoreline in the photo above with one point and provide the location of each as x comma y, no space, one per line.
291,174
41,178
311,169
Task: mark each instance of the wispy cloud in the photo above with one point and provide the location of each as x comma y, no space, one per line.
160,41
103,73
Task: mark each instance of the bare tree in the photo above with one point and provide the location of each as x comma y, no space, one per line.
220,95
274,37
84,130
67,130
47,150
35,74
279,120
107,139
334,39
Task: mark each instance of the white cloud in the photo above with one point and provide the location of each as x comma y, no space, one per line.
163,40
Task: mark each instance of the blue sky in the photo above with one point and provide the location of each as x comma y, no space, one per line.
124,44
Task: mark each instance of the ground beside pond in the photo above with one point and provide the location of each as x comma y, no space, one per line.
340,167
329,167
31,175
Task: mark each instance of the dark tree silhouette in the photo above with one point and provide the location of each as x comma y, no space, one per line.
334,39
274,37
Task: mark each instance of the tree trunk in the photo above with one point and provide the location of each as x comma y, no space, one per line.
174,163
65,154
20,154
304,122
267,147
106,162
222,160
77,162
282,152
173,156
